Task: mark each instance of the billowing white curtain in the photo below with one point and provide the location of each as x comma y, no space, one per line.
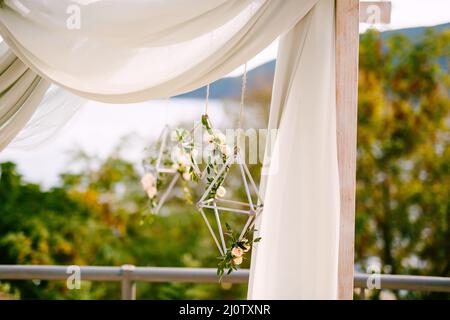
122,52
135,50
298,256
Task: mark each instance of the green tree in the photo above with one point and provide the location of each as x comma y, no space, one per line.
403,177
98,216
403,159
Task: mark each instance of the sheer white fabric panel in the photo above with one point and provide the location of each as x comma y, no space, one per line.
21,91
143,50
55,110
298,255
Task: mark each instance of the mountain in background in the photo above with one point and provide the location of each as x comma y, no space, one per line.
230,88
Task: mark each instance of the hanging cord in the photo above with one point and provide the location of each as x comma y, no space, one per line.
243,89
207,99
166,117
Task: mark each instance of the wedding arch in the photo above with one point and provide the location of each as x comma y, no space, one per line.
109,51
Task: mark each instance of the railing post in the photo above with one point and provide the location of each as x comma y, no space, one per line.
128,286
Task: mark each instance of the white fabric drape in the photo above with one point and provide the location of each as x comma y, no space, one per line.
21,91
298,256
141,50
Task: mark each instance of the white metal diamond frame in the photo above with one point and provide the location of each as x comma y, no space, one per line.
252,207
159,168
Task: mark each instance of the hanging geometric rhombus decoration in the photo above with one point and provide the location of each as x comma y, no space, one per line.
252,207
163,166
160,168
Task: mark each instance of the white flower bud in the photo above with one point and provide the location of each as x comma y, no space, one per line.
148,181
221,192
186,176
237,261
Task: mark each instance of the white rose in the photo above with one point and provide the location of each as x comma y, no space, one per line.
173,135
220,137
184,160
180,156
225,149
148,181
151,192
208,138
221,192
186,176
177,152
247,247
237,252
237,261
175,166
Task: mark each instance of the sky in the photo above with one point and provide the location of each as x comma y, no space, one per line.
98,127
405,14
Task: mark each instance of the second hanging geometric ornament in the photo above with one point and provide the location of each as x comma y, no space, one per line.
167,162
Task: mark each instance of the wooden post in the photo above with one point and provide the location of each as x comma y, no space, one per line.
347,45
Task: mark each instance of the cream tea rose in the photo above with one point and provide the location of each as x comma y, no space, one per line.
175,166
237,252
194,153
221,192
208,138
181,157
237,261
220,137
186,176
148,182
151,192
225,149
246,245
174,136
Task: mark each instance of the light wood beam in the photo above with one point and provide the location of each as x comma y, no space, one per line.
347,45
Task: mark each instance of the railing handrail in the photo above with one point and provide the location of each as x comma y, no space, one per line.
129,274
100,273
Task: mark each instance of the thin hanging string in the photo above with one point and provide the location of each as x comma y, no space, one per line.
243,89
211,40
206,99
166,117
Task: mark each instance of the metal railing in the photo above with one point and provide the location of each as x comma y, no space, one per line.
128,275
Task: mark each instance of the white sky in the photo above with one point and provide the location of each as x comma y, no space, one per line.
98,127
405,14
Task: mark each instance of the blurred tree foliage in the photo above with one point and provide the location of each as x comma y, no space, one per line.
98,217
95,216
403,176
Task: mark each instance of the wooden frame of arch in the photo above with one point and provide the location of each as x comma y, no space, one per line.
349,13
